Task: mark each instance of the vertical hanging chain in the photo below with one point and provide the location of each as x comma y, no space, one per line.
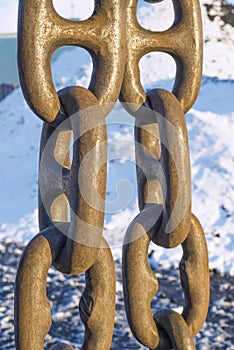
164,184
116,42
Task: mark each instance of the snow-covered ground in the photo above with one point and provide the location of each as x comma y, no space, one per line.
210,125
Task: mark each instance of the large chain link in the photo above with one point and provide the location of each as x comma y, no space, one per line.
73,247
116,42
165,218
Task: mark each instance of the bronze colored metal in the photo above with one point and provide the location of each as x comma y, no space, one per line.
176,328
73,247
32,308
83,183
167,221
174,178
116,43
41,31
183,41
140,285
194,268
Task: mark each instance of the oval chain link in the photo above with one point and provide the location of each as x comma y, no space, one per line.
165,217
163,167
32,308
140,284
73,247
83,183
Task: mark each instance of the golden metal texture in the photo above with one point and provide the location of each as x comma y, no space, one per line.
140,285
116,42
176,183
32,308
84,182
193,268
41,31
176,328
183,41
73,247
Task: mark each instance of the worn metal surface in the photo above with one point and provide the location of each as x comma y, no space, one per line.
32,308
162,156
41,31
177,329
77,186
183,41
73,247
116,42
170,167
83,182
140,284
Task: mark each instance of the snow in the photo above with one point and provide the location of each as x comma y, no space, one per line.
78,8
8,16
210,127
9,10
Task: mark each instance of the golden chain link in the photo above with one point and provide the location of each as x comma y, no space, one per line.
116,42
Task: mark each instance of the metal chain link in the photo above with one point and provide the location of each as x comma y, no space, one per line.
164,219
87,212
116,42
73,247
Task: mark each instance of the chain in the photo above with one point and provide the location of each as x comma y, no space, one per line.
75,245
180,227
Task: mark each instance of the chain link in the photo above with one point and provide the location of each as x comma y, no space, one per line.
32,308
116,42
165,164
83,186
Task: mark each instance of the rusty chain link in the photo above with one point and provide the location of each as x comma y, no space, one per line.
116,42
